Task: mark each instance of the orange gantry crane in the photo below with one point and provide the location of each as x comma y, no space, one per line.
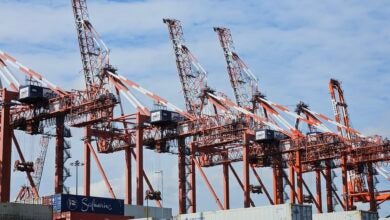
242,80
361,185
212,131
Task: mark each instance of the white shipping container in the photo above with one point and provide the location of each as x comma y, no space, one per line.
275,212
144,211
350,215
20,211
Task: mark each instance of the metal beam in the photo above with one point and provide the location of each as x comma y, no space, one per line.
59,158
101,171
239,181
371,188
245,170
87,162
203,175
225,185
318,191
328,186
262,185
182,177
29,177
139,162
192,178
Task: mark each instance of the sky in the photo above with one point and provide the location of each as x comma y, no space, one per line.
293,47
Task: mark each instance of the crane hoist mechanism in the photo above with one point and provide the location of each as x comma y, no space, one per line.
213,130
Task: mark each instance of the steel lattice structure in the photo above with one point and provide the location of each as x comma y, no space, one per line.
212,131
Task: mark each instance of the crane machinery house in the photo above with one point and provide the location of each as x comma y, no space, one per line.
266,135
34,94
164,117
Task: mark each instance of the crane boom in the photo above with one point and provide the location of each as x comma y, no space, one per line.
244,83
339,105
94,53
191,73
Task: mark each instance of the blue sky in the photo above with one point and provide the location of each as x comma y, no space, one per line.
293,47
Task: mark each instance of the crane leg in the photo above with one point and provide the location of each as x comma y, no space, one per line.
59,161
87,163
5,148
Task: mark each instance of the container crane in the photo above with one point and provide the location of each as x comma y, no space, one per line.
361,180
102,80
193,80
27,192
213,131
217,145
7,138
242,81
95,61
212,118
248,96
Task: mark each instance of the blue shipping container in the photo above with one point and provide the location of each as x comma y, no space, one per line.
73,203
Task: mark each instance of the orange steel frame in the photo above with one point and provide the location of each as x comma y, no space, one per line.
7,129
203,144
219,145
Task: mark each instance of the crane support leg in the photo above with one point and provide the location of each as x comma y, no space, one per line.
226,198
277,179
298,170
292,186
87,163
182,176
128,185
371,188
318,191
344,177
59,161
277,182
5,148
193,180
328,183
139,162
245,171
